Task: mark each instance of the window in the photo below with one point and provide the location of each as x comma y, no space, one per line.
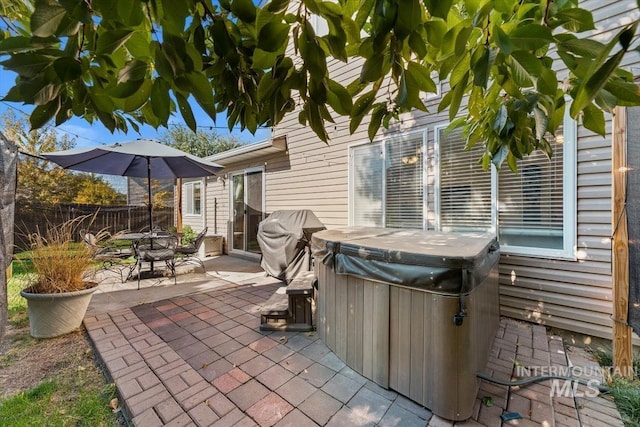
533,211
536,206
193,198
386,183
464,187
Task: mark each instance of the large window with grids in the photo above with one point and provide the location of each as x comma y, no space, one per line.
386,186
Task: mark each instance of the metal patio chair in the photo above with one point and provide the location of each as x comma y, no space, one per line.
189,253
109,256
154,249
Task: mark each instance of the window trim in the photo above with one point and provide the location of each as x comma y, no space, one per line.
186,194
383,140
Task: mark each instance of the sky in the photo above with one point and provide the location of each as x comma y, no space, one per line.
92,135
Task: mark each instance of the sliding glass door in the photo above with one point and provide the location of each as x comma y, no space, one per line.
247,209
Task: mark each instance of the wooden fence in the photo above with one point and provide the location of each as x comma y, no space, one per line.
30,217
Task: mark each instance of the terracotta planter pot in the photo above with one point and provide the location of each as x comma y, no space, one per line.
52,315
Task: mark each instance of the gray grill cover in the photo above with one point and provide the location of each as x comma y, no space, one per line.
448,263
284,241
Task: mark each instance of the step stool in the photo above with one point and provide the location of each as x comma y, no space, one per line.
290,307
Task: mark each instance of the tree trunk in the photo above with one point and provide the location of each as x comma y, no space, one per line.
8,180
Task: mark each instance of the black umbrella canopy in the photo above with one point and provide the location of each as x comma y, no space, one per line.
141,158
136,159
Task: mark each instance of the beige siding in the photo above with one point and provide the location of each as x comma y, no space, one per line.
570,294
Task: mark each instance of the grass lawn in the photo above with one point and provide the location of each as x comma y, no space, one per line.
49,381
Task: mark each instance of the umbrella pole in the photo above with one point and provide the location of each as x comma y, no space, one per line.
150,207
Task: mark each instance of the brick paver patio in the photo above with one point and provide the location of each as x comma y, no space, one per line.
201,360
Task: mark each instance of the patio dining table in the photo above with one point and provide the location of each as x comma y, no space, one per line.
136,237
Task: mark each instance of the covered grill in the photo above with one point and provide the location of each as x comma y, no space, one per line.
284,238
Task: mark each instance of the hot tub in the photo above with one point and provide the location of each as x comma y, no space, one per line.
414,311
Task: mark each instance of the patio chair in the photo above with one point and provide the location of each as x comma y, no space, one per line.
110,256
153,249
189,253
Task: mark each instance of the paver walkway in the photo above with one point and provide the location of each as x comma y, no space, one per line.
201,360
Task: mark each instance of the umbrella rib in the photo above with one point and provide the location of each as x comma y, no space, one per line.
70,166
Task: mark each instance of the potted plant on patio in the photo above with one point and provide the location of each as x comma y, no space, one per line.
60,288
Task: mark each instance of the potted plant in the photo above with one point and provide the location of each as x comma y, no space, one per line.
59,290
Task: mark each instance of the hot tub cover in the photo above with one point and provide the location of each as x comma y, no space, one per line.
284,238
450,263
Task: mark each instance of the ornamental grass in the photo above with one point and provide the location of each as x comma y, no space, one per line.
59,263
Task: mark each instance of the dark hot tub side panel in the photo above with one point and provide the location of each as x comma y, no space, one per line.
404,337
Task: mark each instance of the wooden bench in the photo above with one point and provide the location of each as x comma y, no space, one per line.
290,308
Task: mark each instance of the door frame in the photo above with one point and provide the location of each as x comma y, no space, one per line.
244,172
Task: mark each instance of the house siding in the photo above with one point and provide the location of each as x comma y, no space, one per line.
570,294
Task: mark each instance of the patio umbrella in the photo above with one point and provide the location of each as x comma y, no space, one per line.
141,158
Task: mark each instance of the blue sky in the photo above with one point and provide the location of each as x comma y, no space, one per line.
91,135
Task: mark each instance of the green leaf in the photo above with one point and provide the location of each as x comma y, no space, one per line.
541,121
47,16
531,36
139,97
264,60
277,6
438,8
21,44
524,68
593,119
339,98
598,73
110,41
174,15
409,17
481,67
133,71
203,92
457,95
316,122
27,64
272,36
575,20
67,69
185,110
547,83
139,44
422,76
588,90
130,12
502,40
376,120
124,90
243,9
43,113
504,6
360,108
160,100
462,39
435,32
583,47
624,91
418,45
372,69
